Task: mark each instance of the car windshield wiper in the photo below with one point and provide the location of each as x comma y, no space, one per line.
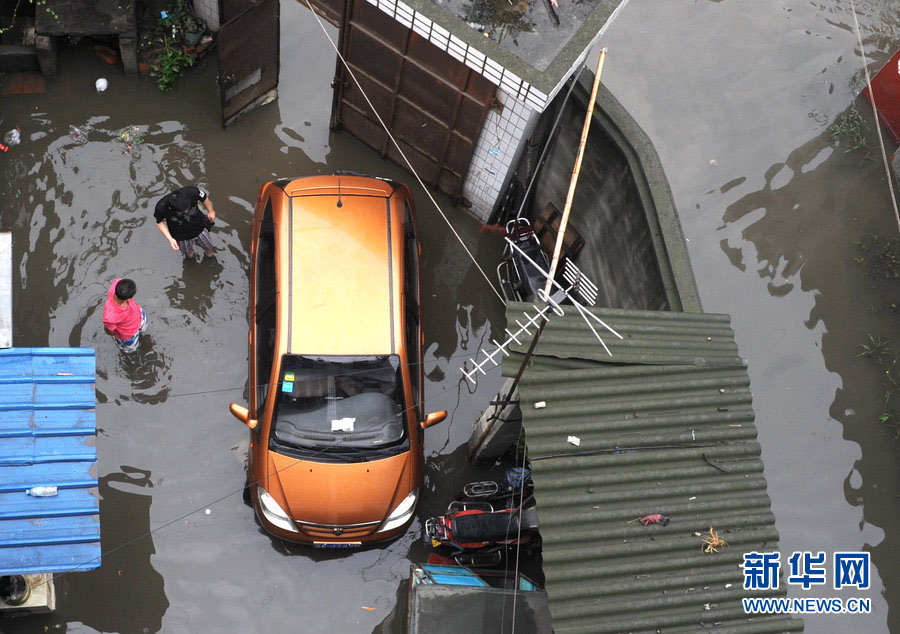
348,453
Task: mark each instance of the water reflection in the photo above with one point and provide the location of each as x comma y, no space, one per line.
125,594
144,369
194,291
799,234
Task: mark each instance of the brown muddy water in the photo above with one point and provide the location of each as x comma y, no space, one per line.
737,97
80,208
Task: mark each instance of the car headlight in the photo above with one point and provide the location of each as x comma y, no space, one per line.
400,515
274,513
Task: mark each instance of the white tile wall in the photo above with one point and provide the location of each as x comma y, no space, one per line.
497,152
208,11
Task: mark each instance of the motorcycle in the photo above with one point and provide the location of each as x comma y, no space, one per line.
487,519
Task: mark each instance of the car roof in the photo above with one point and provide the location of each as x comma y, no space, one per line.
344,269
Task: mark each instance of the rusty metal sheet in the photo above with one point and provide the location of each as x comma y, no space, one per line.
248,57
434,105
331,10
230,9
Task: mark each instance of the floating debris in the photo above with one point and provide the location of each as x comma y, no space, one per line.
131,140
712,543
13,137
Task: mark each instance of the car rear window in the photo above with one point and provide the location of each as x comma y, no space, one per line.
326,403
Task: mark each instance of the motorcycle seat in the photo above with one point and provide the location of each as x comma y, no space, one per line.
484,527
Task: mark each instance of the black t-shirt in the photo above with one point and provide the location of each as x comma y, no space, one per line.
186,225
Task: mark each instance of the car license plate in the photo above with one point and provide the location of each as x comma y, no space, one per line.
337,544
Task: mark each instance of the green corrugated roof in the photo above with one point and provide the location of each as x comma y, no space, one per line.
666,426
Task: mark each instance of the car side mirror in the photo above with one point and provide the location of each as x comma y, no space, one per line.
433,419
243,414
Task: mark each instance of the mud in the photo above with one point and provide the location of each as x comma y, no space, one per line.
770,206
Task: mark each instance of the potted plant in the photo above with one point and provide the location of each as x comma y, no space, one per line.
193,29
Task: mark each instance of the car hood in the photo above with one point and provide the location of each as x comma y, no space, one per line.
338,494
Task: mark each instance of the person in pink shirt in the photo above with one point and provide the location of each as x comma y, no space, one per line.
122,317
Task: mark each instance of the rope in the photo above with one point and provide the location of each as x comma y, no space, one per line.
884,159
396,145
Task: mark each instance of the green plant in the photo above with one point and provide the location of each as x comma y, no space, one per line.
818,117
850,127
171,65
179,19
891,421
857,81
875,346
879,350
192,25
43,4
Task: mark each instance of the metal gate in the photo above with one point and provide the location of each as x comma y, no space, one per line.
331,10
434,105
248,55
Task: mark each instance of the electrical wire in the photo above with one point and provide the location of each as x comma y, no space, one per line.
402,153
206,505
243,387
537,168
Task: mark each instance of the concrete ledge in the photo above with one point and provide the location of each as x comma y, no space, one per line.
47,53
17,59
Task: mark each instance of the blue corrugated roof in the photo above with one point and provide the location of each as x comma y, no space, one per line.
47,427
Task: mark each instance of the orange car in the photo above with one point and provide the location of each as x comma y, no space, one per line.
336,447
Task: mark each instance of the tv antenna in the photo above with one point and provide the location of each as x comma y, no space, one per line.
579,282
552,301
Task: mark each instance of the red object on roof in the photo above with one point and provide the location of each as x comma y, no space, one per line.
885,88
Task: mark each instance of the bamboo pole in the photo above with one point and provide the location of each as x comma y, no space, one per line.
576,171
559,238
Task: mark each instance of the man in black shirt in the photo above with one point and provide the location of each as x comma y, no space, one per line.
182,223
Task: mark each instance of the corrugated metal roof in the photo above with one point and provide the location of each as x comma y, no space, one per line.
666,426
47,429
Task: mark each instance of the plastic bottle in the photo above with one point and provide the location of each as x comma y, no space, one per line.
42,492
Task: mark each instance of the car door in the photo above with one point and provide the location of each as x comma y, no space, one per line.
413,313
262,312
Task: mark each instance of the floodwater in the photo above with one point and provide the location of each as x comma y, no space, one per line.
181,551
737,97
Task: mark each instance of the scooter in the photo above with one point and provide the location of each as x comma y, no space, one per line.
487,519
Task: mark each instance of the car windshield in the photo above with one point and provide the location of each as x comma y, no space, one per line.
330,403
